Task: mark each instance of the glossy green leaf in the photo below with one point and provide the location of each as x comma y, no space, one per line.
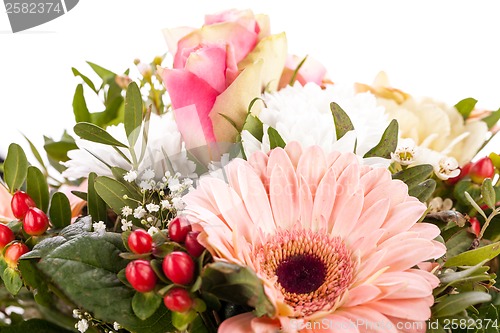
146,304
96,205
449,277
12,280
60,210
101,71
37,188
115,194
459,242
453,304
84,266
488,193
36,281
94,133
387,144
465,107
255,126
275,139
133,113
182,320
414,175
15,167
492,119
473,257
236,284
424,190
80,109
59,150
35,152
342,121
85,79
112,115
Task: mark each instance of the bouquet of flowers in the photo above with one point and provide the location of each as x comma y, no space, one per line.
232,187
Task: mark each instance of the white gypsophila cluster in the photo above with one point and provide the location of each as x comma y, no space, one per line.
162,200
303,114
165,151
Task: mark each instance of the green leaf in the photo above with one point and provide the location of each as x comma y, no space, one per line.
275,139
12,280
342,121
34,279
15,167
296,71
103,73
255,126
474,204
424,190
112,115
458,242
473,257
94,133
59,150
414,175
182,320
236,284
84,266
60,210
35,152
488,193
450,277
80,109
95,204
80,194
145,304
387,144
133,113
492,119
465,107
454,304
37,188
466,186
76,72
34,325
113,192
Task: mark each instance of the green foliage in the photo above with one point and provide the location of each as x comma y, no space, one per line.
254,126
342,121
133,113
96,205
473,257
115,194
15,167
492,119
275,139
465,107
236,284
454,304
37,188
80,109
60,210
32,326
387,144
418,180
12,280
95,133
146,304
488,193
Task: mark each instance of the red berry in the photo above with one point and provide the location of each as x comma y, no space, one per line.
20,204
6,235
475,226
193,247
140,242
178,267
140,275
464,171
178,300
13,252
178,229
481,170
35,222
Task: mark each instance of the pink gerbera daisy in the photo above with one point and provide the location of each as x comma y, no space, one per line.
336,243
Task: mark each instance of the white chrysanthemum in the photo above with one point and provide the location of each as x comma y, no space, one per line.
303,114
163,137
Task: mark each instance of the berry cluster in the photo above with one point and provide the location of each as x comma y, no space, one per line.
477,171
177,265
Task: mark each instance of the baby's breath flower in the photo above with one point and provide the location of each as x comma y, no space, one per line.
174,184
148,174
152,231
126,211
145,185
130,176
126,225
99,227
116,326
178,203
82,325
165,204
139,212
152,207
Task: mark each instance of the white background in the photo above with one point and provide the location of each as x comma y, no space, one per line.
446,49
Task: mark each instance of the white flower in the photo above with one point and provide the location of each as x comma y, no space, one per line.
139,212
405,152
178,203
165,204
148,174
126,211
152,208
447,168
130,176
82,325
126,225
116,326
76,313
303,114
164,141
99,227
174,184
153,230
437,204
145,185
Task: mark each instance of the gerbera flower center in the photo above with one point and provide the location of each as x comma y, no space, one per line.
311,269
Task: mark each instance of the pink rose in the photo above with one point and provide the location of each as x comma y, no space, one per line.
310,71
217,71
